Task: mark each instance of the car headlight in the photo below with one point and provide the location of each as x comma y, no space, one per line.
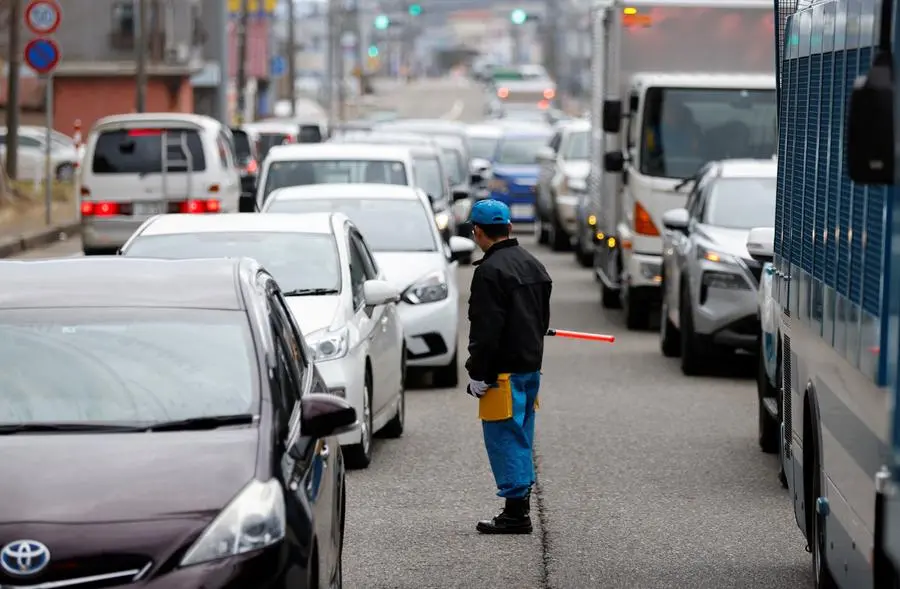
498,185
430,289
442,220
709,255
253,520
329,345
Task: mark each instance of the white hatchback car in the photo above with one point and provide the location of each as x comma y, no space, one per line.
346,311
397,223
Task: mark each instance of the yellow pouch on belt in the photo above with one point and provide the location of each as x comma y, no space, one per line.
496,404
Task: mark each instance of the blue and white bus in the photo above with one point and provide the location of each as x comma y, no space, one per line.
833,243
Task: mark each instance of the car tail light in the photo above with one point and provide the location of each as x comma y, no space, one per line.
99,209
288,139
503,92
549,93
198,207
252,167
643,223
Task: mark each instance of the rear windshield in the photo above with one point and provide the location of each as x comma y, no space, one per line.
269,140
140,151
125,365
310,134
302,173
242,145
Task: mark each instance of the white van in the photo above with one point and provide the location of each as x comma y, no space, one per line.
140,165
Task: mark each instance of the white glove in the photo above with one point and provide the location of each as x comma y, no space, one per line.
477,388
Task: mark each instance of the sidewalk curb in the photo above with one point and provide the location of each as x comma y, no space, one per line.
43,237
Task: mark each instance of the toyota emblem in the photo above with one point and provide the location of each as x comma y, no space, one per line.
24,558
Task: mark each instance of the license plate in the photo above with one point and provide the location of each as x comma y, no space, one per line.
522,211
148,208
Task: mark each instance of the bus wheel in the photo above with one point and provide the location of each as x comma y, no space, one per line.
818,540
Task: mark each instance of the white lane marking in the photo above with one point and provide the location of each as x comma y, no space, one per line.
455,112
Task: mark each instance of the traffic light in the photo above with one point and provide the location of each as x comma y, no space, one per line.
373,51
518,16
415,9
382,22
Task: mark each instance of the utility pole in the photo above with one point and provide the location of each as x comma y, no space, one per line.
221,24
140,30
12,88
243,25
292,57
331,62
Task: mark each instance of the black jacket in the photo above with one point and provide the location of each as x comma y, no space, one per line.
509,312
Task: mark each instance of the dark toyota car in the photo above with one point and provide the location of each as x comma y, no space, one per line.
169,430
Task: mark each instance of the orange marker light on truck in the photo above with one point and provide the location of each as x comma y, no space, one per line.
643,223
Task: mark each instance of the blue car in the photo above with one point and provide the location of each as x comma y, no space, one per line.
515,172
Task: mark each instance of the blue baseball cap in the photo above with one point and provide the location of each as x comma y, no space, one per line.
490,212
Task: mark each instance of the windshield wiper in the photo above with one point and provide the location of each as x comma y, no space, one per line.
8,429
201,423
305,292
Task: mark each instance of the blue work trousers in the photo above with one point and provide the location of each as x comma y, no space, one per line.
509,443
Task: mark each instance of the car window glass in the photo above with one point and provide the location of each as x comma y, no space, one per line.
288,387
367,253
291,337
301,173
370,270
357,273
223,148
28,142
139,151
242,145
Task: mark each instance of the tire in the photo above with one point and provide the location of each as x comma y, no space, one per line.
636,317
669,336
447,376
540,231
65,172
559,240
822,578
394,428
609,298
692,353
769,427
585,258
359,456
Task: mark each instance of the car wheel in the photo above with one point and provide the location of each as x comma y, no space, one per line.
447,376
769,427
65,172
359,456
559,239
669,338
692,352
636,317
818,537
540,231
394,428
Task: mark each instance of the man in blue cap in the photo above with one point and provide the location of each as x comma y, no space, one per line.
509,314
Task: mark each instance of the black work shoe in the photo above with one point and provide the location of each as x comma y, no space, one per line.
514,519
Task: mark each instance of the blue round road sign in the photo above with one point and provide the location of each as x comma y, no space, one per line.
42,55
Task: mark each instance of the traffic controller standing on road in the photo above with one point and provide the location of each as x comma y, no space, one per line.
509,315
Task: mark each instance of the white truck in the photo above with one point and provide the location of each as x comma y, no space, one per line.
676,83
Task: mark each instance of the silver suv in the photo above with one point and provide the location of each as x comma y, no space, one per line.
709,280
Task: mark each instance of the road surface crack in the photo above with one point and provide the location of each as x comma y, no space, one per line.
543,524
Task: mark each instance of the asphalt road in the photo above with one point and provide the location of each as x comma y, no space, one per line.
646,479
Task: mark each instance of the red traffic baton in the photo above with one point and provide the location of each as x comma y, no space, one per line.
593,337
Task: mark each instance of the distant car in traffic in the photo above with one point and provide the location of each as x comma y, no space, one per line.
183,400
397,224
272,133
32,149
709,279
246,147
140,165
514,172
345,309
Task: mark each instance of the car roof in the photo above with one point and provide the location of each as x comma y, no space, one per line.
337,151
386,137
431,125
747,168
272,126
528,134
484,130
338,191
576,125
106,282
236,223
159,118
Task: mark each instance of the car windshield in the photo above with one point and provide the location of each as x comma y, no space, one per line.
304,172
242,145
452,161
139,151
131,366
389,225
429,176
483,147
685,128
577,148
520,150
298,261
741,203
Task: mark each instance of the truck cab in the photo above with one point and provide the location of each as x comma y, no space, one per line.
673,125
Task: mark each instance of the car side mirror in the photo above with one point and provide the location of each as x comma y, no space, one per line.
247,203
460,247
870,125
614,161
379,292
612,116
323,415
676,220
761,244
